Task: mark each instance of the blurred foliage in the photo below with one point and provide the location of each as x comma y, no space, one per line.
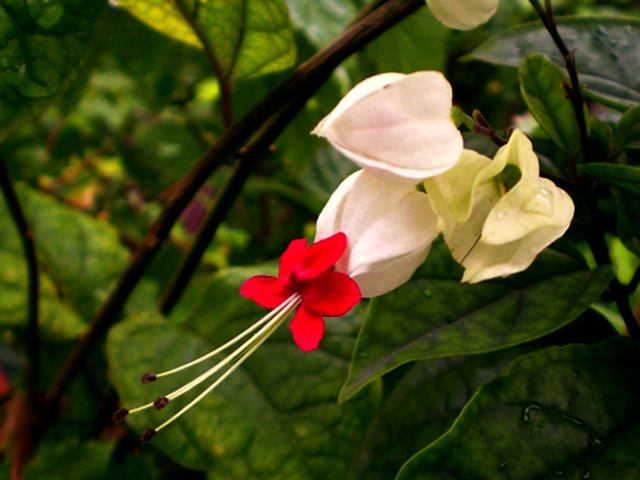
101,115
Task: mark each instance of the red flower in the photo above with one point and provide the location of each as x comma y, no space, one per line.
308,271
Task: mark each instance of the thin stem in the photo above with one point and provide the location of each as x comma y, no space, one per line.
225,84
26,237
223,203
573,91
295,89
598,245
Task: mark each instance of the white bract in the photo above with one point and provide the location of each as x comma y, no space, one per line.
463,14
396,126
494,223
389,231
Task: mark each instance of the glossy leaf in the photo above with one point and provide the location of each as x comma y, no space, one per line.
428,397
246,37
606,50
569,412
274,417
540,83
420,321
414,416
42,45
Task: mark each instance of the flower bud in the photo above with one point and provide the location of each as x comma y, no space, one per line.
494,222
396,126
463,14
389,228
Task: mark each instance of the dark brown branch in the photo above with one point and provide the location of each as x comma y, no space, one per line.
573,91
296,89
26,237
223,203
593,233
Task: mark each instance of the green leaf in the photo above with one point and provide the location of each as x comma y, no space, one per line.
628,204
274,417
412,417
569,412
322,20
420,321
629,128
246,37
58,321
42,46
614,175
81,254
624,181
540,83
606,49
421,39
69,460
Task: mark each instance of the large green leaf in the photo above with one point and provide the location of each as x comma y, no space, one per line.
81,254
58,321
569,412
606,49
421,39
434,316
412,416
540,83
322,20
69,460
42,43
247,37
276,417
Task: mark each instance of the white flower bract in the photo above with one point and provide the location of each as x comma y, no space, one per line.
397,127
493,232
389,230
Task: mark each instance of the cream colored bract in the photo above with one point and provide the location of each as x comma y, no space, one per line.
490,231
463,14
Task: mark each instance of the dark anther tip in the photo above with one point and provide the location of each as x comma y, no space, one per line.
148,435
160,403
148,377
119,415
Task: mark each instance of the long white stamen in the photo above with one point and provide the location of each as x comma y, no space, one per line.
233,341
274,319
272,327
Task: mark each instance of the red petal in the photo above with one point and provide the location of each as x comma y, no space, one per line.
265,290
320,257
331,294
292,257
307,329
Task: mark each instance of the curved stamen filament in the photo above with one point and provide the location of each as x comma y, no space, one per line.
274,319
233,341
269,329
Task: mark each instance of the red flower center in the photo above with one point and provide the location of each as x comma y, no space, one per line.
308,271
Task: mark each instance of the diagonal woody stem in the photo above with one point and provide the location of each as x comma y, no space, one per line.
26,236
295,90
